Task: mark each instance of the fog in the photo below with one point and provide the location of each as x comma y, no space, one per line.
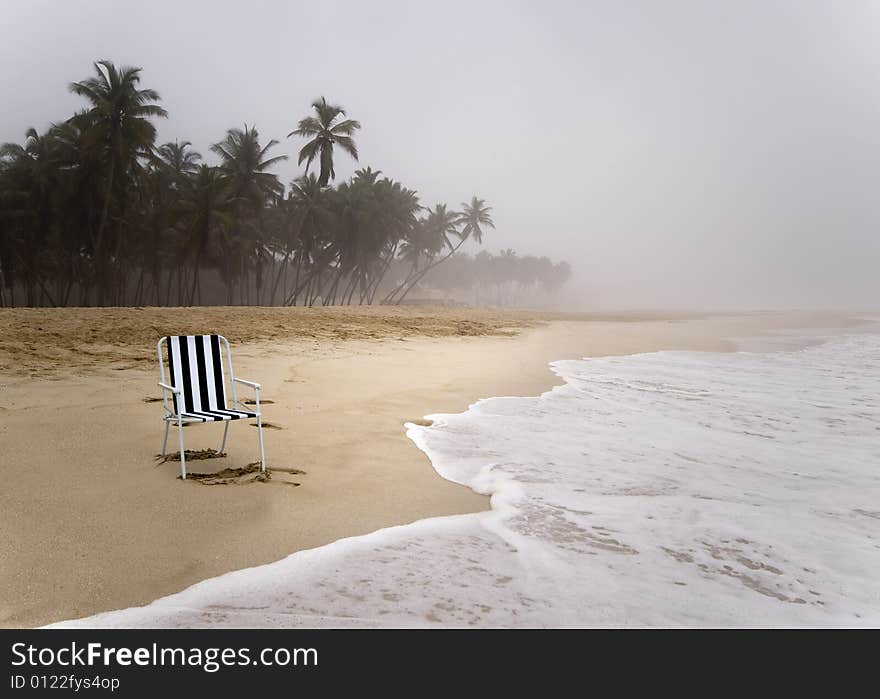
678,154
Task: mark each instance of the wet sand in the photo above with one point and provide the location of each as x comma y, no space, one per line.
93,521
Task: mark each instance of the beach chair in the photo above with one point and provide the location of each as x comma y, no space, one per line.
197,385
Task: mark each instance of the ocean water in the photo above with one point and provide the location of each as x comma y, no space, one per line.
662,489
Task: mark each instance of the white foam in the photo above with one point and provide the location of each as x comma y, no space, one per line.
673,488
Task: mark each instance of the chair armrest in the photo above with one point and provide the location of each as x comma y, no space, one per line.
253,384
170,388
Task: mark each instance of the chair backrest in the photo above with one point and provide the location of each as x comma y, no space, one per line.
196,367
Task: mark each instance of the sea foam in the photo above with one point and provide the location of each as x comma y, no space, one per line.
662,489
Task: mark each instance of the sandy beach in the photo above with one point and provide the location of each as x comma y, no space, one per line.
93,521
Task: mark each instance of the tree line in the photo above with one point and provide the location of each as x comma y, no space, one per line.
505,279
94,212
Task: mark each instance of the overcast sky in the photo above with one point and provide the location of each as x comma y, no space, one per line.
678,153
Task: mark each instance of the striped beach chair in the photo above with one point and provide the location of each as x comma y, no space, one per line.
196,383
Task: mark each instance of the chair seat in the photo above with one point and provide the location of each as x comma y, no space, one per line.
213,415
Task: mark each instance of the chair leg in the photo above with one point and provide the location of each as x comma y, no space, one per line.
260,433
182,457
165,440
225,431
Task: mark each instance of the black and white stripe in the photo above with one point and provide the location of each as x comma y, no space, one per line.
216,415
197,369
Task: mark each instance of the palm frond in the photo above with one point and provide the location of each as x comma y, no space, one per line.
345,128
348,145
271,161
308,153
309,126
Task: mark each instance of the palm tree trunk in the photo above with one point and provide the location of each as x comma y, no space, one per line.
31,288
326,165
334,289
240,281
168,286
99,238
139,289
282,269
296,277
385,265
291,299
314,288
192,293
389,297
306,284
427,269
67,289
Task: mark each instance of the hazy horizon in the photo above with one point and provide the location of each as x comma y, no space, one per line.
683,155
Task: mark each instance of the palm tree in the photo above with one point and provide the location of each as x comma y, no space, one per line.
325,130
398,208
178,158
163,187
32,170
311,215
206,205
120,130
79,200
474,215
245,163
428,239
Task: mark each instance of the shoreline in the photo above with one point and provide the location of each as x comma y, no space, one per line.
341,404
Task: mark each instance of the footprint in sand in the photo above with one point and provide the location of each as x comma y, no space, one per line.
244,475
192,455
